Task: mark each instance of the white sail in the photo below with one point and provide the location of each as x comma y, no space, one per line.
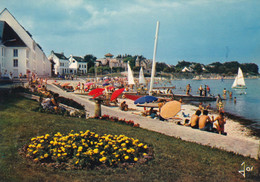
141,76
239,81
130,76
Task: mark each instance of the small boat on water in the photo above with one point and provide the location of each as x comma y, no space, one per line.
239,82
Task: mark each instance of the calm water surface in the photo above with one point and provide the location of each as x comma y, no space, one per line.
247,105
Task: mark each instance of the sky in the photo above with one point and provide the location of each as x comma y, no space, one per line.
203,31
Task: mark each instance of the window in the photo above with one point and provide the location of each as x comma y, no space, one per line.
15,62
80,66
15,52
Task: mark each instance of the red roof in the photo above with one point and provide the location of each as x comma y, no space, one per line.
109,55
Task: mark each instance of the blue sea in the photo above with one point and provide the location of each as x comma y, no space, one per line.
247,105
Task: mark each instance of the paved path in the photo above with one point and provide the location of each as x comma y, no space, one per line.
227,143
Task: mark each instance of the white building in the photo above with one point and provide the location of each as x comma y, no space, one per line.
78,65
60,63
19,53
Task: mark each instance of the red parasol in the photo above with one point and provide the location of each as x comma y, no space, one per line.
132,97
96,91
89,83
97,94
116,93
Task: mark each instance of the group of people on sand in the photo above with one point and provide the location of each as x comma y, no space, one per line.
205,123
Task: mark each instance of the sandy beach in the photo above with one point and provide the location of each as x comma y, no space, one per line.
232,127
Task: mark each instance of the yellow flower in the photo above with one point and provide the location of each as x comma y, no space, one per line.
144,154
96,151
135,159
64,154
129,151
58,155
145,147
46,155
77,162
39,145
77,154
140,144
123,145
36,159
126,157
34,152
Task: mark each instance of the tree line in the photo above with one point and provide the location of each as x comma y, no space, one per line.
227,68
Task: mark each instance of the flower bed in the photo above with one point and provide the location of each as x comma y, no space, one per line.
116,119
86,150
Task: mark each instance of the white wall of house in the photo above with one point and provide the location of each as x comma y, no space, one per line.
36,59
61,65
75,66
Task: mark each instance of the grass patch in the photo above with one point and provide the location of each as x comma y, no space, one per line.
174,159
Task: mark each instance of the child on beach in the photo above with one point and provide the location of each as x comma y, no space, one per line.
124,106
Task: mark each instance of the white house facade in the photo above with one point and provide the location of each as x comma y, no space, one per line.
19,53
78,65
61,63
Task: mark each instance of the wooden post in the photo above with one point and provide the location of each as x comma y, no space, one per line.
98,108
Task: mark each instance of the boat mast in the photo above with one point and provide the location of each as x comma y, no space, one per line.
154,55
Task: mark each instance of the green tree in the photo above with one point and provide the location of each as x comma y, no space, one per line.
198,68
90,60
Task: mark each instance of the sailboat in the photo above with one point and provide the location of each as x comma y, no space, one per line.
239,82
130,76
141,76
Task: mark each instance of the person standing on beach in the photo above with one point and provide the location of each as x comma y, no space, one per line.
224,93
208,89
188,88
200,90
205,123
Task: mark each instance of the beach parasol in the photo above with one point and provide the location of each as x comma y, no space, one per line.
96,91
97,94
170,109
116,93
65,84
89,83
145,99
132,97
105,84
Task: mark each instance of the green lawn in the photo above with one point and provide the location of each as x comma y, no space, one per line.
174,159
